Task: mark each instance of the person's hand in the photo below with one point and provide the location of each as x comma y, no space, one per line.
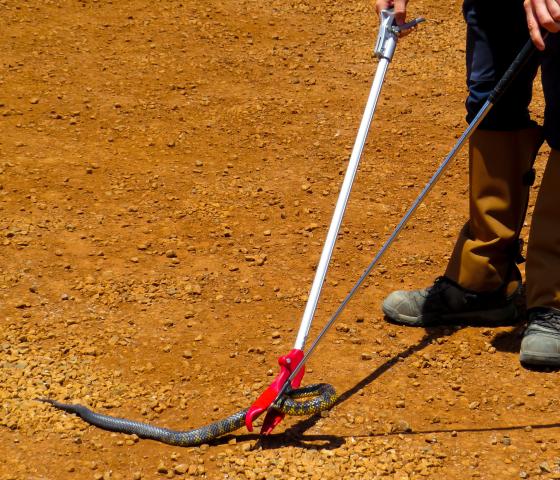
541,14
398,5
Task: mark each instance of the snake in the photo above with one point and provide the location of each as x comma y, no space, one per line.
320,396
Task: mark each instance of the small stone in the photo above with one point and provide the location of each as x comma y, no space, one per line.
343,328
400,404
276,334
181,469
34,101
366,356
171,254
162,468
187,354
402,426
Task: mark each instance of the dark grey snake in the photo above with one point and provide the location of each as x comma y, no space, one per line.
324,396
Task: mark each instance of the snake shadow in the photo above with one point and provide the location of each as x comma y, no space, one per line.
294,435
289,438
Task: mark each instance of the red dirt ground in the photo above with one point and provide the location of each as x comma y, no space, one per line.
167,175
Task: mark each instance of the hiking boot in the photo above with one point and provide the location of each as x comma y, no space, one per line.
446,303
541,340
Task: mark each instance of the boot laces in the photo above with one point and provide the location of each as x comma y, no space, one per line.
546,318
440,285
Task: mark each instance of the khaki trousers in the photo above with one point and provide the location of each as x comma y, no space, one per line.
500,176
543,250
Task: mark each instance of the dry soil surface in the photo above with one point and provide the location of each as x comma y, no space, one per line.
168,171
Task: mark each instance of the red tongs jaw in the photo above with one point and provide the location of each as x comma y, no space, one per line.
288,363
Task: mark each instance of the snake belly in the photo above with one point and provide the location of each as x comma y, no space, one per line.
321,396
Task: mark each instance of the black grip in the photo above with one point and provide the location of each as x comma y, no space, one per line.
517,65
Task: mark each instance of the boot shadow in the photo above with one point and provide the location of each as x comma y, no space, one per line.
509,341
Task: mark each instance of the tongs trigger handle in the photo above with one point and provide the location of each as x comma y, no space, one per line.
389,32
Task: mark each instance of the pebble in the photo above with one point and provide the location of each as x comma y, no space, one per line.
180,469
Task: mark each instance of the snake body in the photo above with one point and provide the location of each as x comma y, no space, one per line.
320,396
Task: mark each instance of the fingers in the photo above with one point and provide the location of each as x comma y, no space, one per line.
548,14
400,11
399,7
542,14
533,25
382,5
554,9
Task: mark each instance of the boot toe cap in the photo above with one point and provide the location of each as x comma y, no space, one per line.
540,349
400,307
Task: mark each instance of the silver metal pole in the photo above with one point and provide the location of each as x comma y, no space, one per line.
384,50
341,203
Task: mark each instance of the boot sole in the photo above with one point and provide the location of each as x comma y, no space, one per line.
505,316
539,359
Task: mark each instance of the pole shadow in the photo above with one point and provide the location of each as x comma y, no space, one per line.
297,430
463,430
